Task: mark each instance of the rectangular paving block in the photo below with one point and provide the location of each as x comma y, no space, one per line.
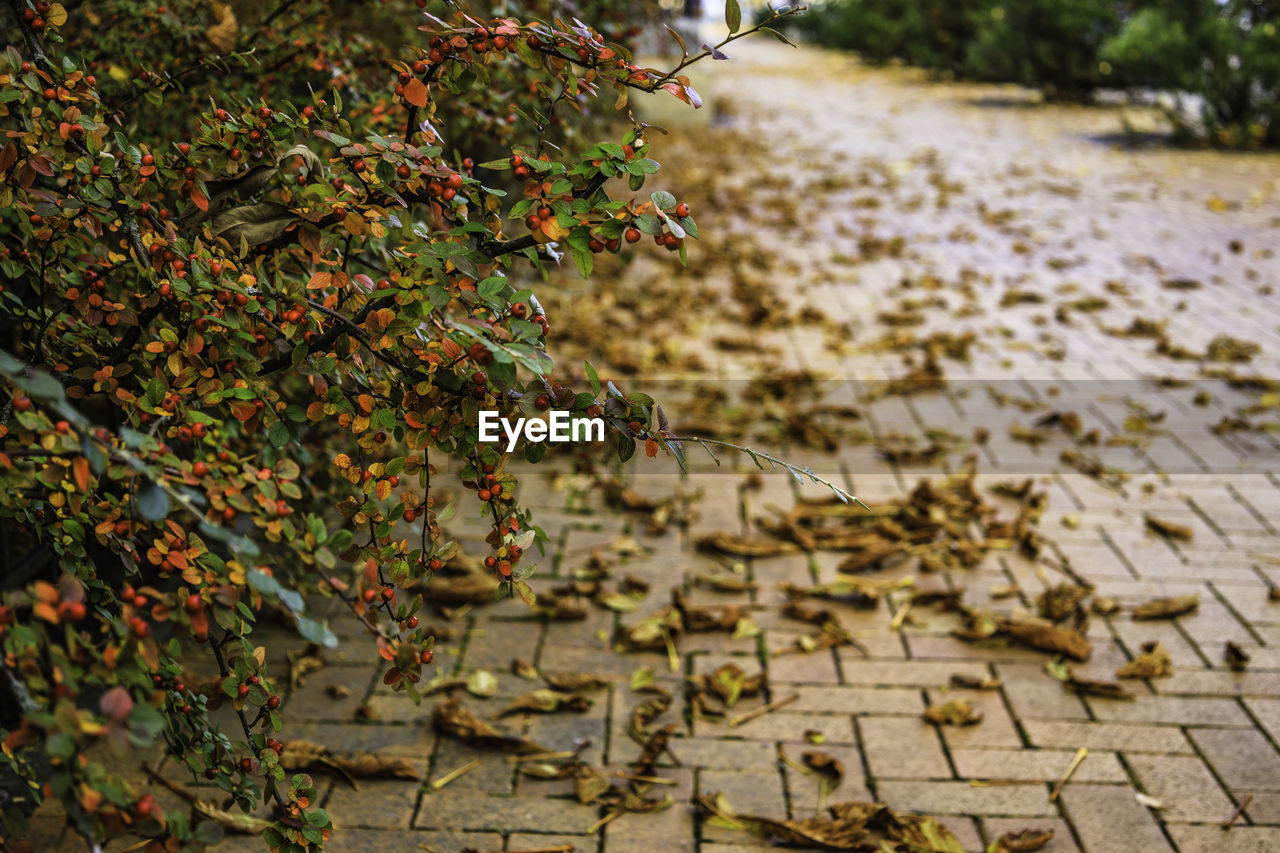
1243,760
1108,819
1165,740
903,748
1183,784
1171,710
1035,765
961,798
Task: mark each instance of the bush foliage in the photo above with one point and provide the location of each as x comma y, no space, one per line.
1222,59
261,267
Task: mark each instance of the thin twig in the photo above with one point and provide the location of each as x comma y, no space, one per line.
454,774
1235,815
1081,755
762,710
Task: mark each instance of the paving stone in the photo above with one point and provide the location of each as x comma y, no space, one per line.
902,748
1185,786
476,811
841,699
1108,819
1033,695
961,798
320,696
1239,839
1041,765
532,841
1241,759
733,754
748,792
395,803
380,841
1171,710
1163,740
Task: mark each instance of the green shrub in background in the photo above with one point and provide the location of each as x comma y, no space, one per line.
932,34
1221,58
1052,45
1226,56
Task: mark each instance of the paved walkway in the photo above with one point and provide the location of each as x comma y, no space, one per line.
859,225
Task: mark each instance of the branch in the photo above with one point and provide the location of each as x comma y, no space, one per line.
776,463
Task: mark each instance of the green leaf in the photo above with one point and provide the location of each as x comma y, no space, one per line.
592,377
278,434
663,199
502,375
316,632
733,15
153,503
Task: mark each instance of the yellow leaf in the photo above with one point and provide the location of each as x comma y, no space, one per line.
57,15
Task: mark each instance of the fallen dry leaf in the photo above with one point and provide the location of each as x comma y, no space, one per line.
743,546
1021,842
576,681
546,701
1167,528
1167,608
986,682
1235,657
957,712
1153,662
453,720
303,755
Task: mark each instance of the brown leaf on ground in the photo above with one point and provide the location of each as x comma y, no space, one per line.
957,712
701,619
986,682
1061,602
729,682
725,583
1049,638
453,720
645,713
805,613
744,546
1235,657
1154,662
857,826
1167,528
1104,605
304,755
303,663
653,748
576,681
827,766
1167,608
1022,842
546,701
1084,686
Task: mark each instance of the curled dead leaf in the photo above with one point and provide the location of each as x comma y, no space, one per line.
957,712
1167,608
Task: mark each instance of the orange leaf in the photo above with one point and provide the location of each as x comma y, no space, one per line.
243,409
319,281
650,448
80,469
201,200
415,92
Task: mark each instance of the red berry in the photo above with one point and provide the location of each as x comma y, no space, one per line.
682,210
273,702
